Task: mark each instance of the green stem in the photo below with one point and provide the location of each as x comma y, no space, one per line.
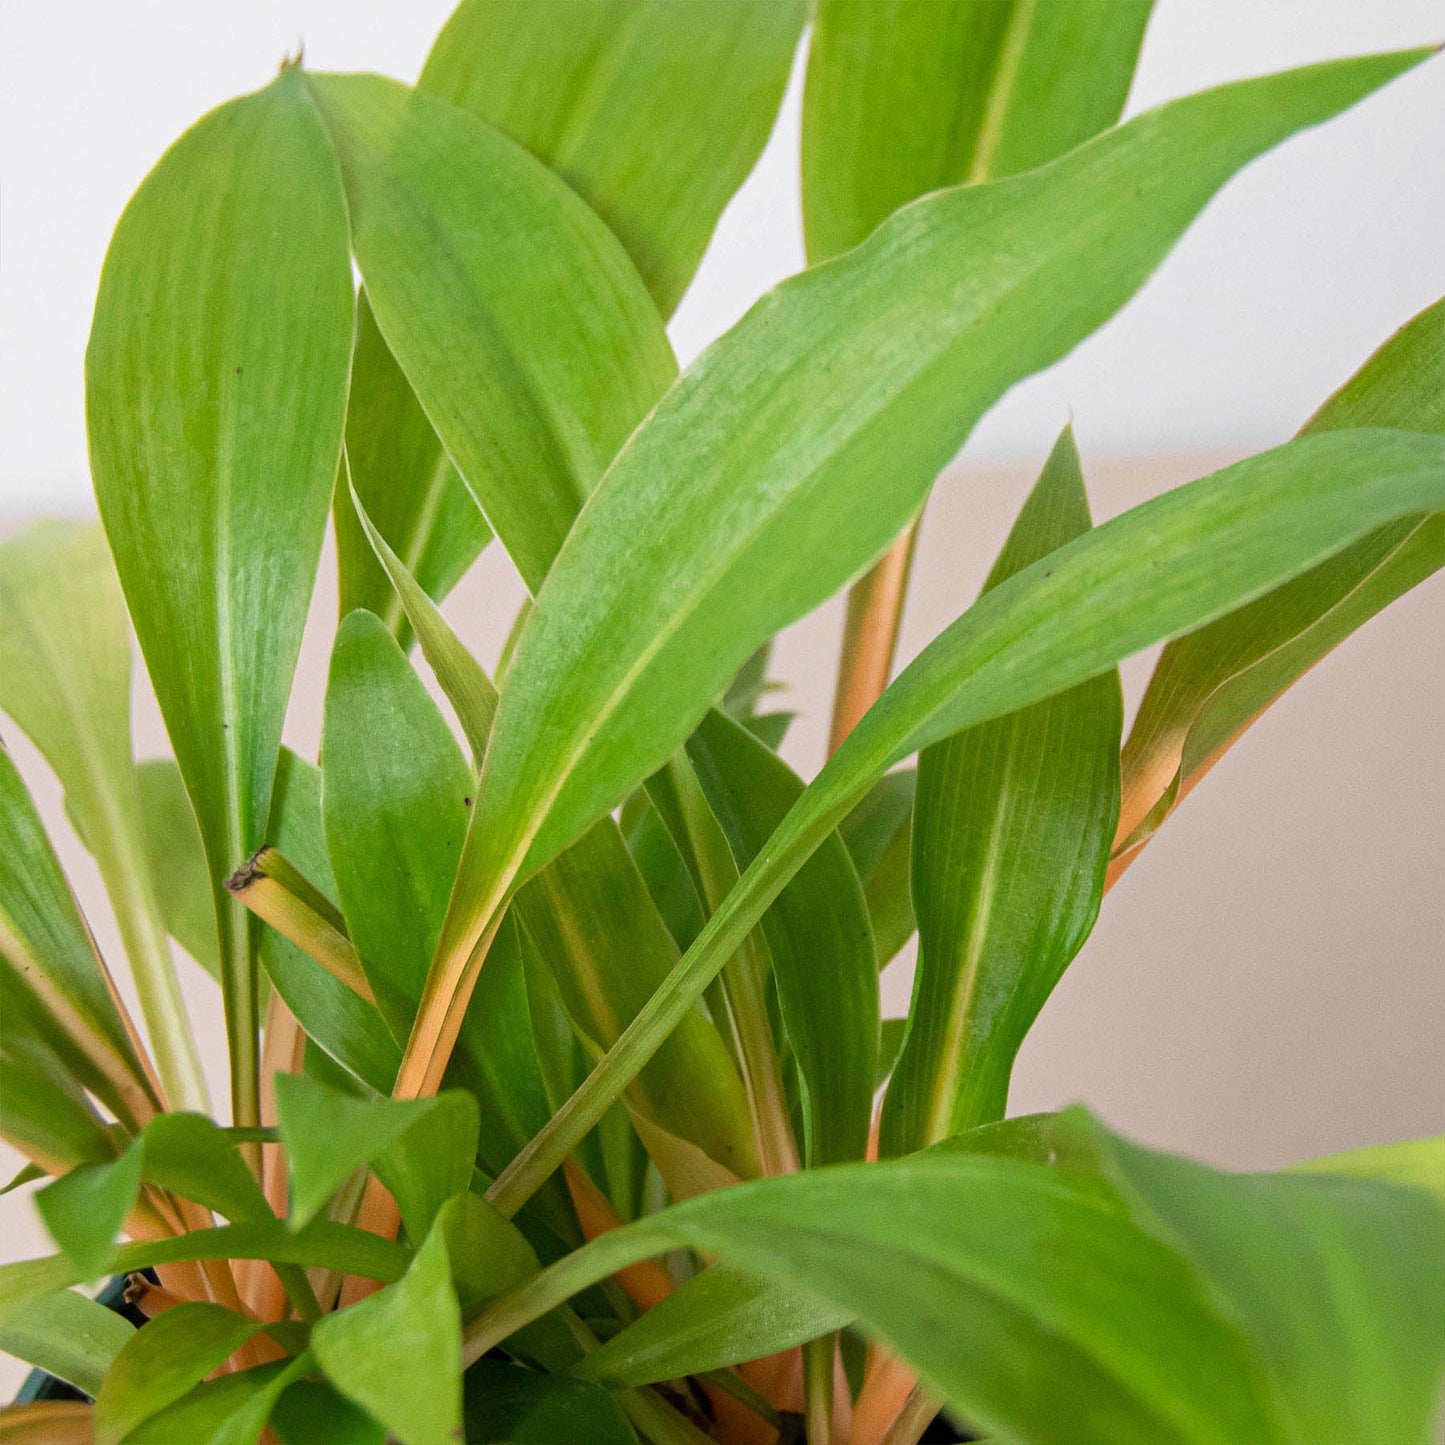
818,1356
238,992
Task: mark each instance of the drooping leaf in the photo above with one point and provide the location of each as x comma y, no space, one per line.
1420,1162
406,485
216,382
504,1404
163,1361
1012,827
800,444
818,935
1213,545
398,1353
351,1031
395,789
467,687
85,1209
1180,1316
231,1410
879,836
46,941
68,1336
719,1317
652,110
514,313
595,926
905,98
48,1119
65,678
46,1422
1210,686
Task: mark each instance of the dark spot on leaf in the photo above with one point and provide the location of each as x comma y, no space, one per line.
467,802
238,371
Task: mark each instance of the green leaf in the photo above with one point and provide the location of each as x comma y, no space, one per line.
68,1336
516,316
395,789
216,383
879,836
1213,545
468,688
421,1149
1340,1284
163,1361
719,1317
1420,1162
48,1119
596,928
191,1156
311,1409
1012,827
398,1353
231,1410
406,485
905,98
350,1030
1210,686
652,110
831,407
65,661
45,940
85,1209
504,1404
892,1032
818,935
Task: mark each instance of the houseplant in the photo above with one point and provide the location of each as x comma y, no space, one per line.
554,1039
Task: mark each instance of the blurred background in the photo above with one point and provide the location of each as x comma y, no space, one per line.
1267,982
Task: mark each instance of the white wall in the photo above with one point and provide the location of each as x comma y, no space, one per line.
1288,280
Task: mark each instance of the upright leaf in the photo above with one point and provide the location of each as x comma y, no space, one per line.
215,392
1012,826
65,678
879,836
516,316
407,485
398,1353
823,416
1210,686
818,935
902,99
652,110
173,845
1213,545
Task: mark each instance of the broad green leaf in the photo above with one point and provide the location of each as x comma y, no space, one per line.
188,1155
421,1149
652,110
719,1317
68,1336
65,678
85,1209
515,314
597,930
1012,827
406,485
320,1245
467,687
395,789
311,1409
216,380
164,1360
902,99
825,414
398,1353
1213,545
231,1410
1340,1284
879,836
1420,1162
818,936
45,939
350,1030
1210,686
504,1404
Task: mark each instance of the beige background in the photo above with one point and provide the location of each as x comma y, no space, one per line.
1265,984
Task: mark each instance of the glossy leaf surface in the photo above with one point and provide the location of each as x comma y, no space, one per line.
653,111
902,99
216,383
1013,822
